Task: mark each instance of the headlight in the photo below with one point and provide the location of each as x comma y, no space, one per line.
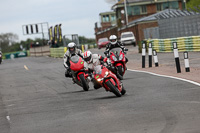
106,74
114,58
99,79
121,57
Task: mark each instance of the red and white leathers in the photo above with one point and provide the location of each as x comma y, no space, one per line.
95,62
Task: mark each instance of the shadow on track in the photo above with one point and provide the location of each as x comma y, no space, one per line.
106,97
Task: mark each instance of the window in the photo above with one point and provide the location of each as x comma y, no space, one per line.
174,4
106,18
159,7
113,18
144,9
166,5
136,10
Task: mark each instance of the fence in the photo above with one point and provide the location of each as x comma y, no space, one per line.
40,51
191,43
179,26
151,33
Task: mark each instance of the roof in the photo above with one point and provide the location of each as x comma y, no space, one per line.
167,13
120,3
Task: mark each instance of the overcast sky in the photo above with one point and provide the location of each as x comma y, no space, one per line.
76,16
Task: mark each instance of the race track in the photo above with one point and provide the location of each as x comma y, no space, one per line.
35,97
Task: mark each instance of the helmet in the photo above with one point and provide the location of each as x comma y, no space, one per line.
113,39
72,47
87,56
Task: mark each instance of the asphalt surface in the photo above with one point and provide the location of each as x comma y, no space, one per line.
35,97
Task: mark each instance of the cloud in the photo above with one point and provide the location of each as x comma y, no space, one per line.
76,16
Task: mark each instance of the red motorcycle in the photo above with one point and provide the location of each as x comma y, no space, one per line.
116,57
108,80
79,75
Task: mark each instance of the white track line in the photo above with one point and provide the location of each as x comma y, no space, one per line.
8,118
190,81
25,67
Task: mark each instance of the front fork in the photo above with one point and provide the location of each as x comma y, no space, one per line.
114,80
85,75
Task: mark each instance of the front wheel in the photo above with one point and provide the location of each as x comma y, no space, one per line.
83,82
113,89
119,72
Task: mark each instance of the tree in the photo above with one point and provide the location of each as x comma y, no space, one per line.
6,40
84,40
194,5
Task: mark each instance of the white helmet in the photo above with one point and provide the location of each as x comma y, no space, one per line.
87,56
113,39
72,47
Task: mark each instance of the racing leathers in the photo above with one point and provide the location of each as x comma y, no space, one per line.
117,45
96,60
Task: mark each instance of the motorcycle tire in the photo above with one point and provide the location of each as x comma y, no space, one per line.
123,90
83,82
113,89
119,72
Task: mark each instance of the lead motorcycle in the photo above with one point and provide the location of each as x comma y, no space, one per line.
116,58
108,80
79,75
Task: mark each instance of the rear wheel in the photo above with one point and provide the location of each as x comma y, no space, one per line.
83,82
114,89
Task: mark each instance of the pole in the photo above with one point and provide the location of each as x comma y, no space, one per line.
126,12
150,55
187,66
143,54
155,57
176,56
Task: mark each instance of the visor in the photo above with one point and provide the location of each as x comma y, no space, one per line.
88,58
113,40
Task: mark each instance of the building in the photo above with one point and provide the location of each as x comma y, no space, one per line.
135,10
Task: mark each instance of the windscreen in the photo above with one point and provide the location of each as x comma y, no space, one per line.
127,35
116,51
97,69
75,58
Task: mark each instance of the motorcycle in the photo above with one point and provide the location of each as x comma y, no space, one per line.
108,80
79,75
116,58
0,58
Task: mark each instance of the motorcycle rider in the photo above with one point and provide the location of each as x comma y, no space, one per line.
92,60
71,51
114,44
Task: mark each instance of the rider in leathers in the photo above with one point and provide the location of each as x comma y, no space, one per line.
71,50
114,44
92,60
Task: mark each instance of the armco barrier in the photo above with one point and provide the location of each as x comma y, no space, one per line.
57,52
15,55
191,43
